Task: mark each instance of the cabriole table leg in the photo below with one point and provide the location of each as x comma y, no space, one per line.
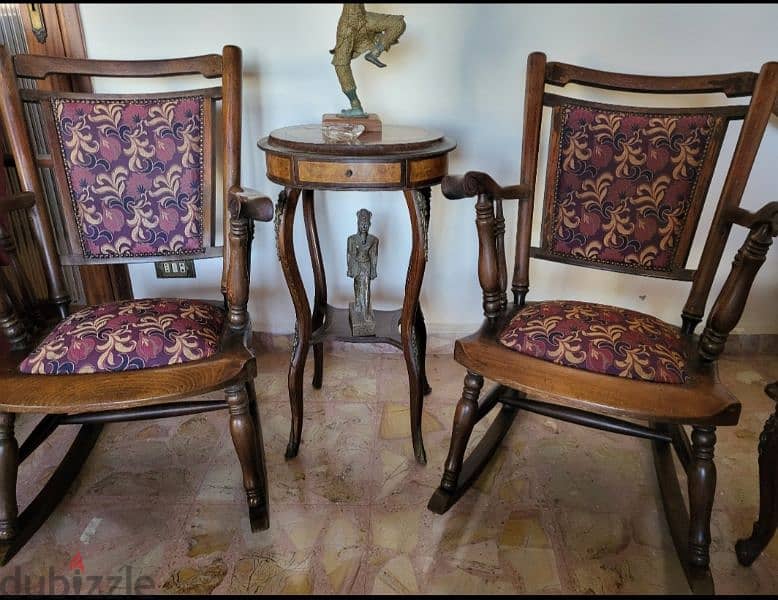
285,209
412,331
320,283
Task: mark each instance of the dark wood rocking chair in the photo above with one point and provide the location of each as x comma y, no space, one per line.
136,181
624,190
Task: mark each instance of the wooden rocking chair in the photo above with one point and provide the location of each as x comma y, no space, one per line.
136,183
624,190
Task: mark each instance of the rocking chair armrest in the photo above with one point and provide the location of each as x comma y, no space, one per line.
731,301
490,225
253,204
473,183
23,200
767,215
243,206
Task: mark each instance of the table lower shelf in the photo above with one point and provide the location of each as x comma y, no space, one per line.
336,326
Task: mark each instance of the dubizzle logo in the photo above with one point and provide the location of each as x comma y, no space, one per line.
77,563
78,582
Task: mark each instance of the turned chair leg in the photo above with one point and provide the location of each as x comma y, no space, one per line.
253,405
254,410
465,418
9,466
702,488
245,438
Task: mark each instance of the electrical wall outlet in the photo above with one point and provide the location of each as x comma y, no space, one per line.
175,268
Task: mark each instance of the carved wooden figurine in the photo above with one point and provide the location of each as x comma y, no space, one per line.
362,256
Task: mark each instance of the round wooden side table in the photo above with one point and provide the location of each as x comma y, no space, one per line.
398,158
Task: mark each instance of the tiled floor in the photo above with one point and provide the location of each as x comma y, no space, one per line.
561,509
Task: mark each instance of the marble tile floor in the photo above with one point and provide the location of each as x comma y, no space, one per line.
562,509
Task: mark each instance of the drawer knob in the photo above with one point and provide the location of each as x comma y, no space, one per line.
349,172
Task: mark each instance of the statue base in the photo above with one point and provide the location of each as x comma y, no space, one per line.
361,325
371,121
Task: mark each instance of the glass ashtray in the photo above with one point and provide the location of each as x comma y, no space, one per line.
347,132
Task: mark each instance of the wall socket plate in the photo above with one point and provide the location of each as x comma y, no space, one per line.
175,268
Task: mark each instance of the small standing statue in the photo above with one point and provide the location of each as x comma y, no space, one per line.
361,31
362,256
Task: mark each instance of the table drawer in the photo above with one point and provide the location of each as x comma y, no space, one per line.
354,173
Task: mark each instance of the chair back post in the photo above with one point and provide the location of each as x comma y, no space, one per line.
763,99
533,115
232,107
15,126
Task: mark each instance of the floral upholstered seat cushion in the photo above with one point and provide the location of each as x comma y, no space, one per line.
599,338
133,334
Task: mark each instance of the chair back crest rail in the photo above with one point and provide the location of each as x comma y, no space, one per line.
625,186
135,172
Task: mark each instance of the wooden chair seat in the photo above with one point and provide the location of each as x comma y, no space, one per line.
79,393
701,399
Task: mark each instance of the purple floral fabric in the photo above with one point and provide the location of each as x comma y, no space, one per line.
624,184
599,338
134,171
134,334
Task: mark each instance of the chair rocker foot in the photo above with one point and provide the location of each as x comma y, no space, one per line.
36,513
259,517
479,458
749,549
699,578
442,500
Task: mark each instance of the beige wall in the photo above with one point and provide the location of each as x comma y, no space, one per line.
459,68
